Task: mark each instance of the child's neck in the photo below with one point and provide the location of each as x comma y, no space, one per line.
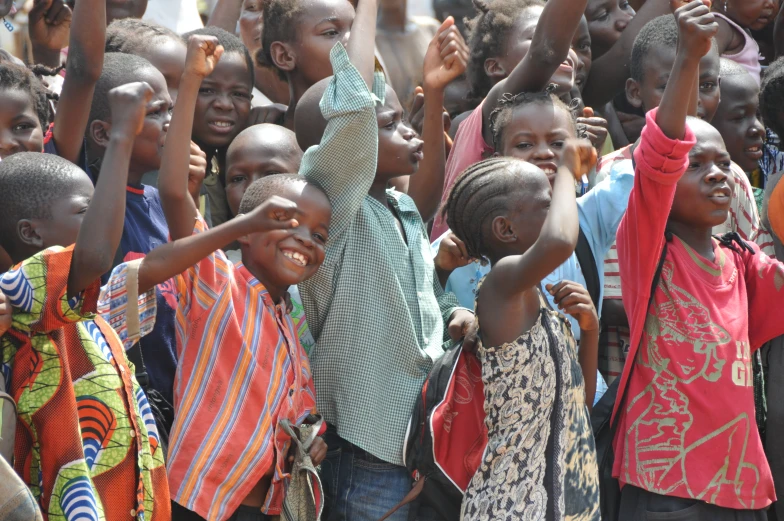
393,18
378,191
698,239
275,292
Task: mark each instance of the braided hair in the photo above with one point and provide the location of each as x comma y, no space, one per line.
502,115
13,76
132,36
488,33
482,193
280,25
772,96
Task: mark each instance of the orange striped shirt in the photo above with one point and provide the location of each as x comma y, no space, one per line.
241,370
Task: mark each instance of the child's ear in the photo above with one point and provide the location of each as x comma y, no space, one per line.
28,234
502,231
633,93
283,56
99,132
244,241
495,69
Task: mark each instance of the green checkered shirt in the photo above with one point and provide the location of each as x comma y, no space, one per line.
375,307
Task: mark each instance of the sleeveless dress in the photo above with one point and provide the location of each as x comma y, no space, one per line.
540,460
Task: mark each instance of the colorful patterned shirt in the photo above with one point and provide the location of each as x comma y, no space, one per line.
241,371
375,307
686,427
86,442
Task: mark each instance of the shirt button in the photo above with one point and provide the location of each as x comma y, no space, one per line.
133,513
133,433
122,368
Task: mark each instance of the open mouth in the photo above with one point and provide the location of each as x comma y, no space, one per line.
754,152
296,257
221,126
721,196
567,65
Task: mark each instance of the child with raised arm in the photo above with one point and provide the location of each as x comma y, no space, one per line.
241,369
686,392
505,211
516,46
85,444
377,291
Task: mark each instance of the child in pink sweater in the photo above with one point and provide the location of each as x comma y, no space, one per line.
686,440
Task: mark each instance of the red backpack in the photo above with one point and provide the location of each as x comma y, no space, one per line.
446,435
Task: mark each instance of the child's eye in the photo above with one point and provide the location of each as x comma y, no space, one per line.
584,46
206,91
523,146
557,144
708,85
23,127
331,33
602,16
320,238
242,95
391,125
238,179
625,5
694,165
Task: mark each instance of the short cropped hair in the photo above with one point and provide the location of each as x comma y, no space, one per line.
280,25
118,69
29,183
264,188
662,31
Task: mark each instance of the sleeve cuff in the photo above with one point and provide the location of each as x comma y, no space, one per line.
660,157
348,92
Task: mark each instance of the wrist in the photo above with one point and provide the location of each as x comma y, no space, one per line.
122,137
46,55
190,80
433,92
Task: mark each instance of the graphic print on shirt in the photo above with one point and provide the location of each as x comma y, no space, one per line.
662,410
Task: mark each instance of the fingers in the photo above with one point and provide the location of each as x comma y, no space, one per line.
443,31
587,113
40,8
565,288
58,13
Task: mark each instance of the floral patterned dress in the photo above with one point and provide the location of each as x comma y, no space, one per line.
540,461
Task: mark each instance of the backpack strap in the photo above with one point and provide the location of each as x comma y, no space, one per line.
588,266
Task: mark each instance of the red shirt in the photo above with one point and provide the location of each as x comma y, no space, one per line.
687,427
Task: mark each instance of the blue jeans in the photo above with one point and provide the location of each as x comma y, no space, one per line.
358,486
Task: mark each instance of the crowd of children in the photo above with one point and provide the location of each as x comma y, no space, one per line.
229,259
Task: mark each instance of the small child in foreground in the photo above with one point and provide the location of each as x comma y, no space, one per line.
686,392
537,419
241,369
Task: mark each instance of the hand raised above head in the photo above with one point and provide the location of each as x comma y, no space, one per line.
204,53
50,24
446,57
128,104
696,26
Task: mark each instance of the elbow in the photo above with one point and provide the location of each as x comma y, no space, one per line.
95,261
548,54
85,71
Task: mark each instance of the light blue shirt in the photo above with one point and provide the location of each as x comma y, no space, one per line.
600,212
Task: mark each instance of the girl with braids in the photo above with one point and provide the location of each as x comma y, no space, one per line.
515,46
534,128
540,460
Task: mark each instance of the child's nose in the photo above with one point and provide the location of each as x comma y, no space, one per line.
222,101
543,152
8,144
756,129
622,21
716,175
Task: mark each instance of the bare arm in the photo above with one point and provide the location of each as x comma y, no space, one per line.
515,274
50,24
696,27
226,14
445,60
610,71
178,204
101,230
549,48
360,52
173,258
85,63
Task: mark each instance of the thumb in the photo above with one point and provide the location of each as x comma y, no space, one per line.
588,112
